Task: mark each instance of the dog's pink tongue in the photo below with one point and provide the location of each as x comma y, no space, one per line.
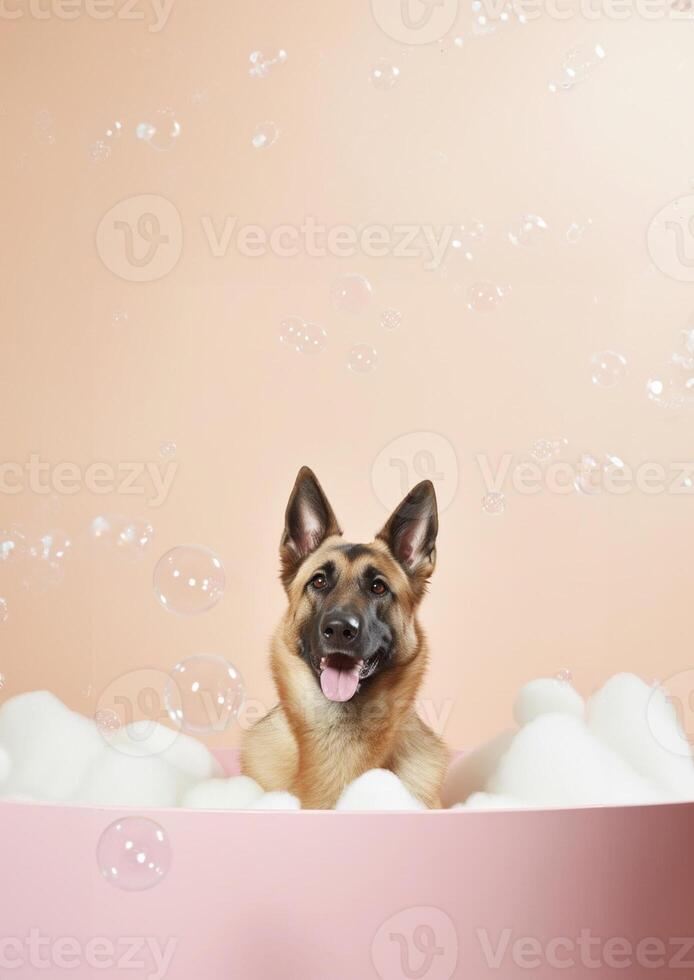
339,684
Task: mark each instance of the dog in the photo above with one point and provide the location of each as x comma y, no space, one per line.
349,655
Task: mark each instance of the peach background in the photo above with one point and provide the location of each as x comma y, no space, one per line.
597,584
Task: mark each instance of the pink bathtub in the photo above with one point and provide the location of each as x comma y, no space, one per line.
596,893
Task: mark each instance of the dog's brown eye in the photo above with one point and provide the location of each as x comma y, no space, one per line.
319,581
379,587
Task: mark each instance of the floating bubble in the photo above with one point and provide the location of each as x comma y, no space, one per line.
4,610
13,546
266,133
592,471
684,357
543,450
529,230
303,337
128,538
99,151
167,449
2,681
564,675
120,316
107,723
189,580
384,74
134,854
391,319
588,478
52,546
114,131
203,694
487,20
466,237
494,503
162,132
262,66
608,368
483,297
352,293
576,231
362,359
665,391
578,63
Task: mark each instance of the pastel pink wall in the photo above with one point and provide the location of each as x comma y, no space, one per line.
596,583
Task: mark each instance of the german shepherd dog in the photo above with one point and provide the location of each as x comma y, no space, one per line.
349,656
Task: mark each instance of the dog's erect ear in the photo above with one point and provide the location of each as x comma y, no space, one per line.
411,530
309,520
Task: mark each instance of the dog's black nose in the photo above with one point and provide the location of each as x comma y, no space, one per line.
340,627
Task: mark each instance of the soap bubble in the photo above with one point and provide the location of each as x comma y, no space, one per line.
119,316
52,546
529,230
564,675
4,610
265,134
483,297
352,293
384,74
107,722
303,337
578,63
129,539
591,472
543,450
466,237
684,357
362,359
608,368
494,503
162,132
134,854
588,478
576,231
115,130
167,449
262,66
204,694
671,390
391,319
99,151
189,580
13,546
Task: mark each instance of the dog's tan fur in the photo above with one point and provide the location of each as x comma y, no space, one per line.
314,747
